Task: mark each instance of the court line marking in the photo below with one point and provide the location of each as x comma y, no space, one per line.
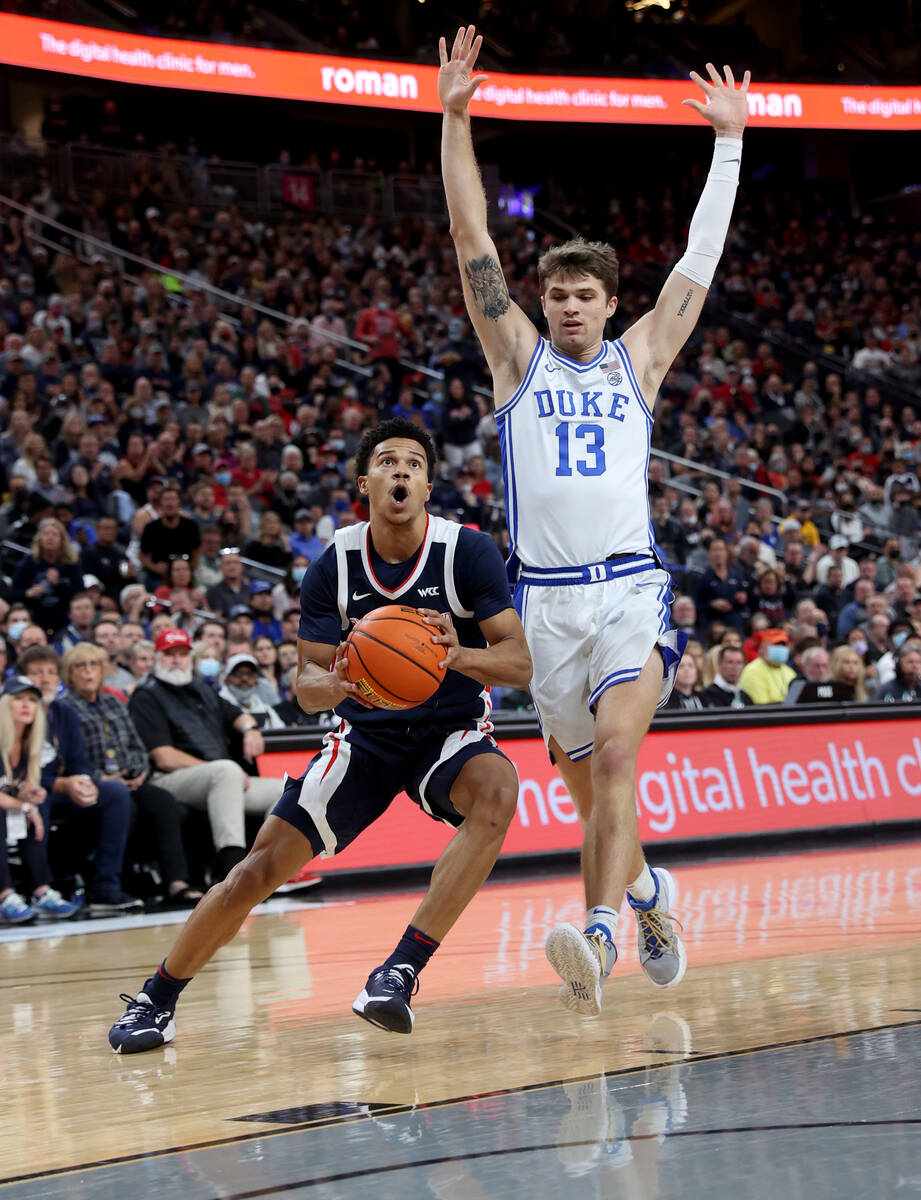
399,1109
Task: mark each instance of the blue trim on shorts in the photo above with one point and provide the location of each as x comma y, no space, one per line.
627,675
579,755
599,572
580,752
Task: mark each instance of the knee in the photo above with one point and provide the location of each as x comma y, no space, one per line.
113,795
492,805
613,759
225,772
249,883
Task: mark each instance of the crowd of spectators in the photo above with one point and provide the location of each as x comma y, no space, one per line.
170,464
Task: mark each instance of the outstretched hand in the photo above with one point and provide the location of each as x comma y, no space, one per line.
725,107
456,87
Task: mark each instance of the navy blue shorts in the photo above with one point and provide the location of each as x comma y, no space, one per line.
353,781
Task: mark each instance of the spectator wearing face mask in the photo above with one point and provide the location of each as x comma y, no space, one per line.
767,678
188,731
207,664
378,326
899,633
287,593
241,687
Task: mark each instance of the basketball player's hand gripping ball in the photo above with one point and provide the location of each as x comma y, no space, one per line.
392,658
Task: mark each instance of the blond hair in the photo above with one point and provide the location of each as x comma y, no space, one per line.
67,554
711,665
96,654
578,257
33,740
834,666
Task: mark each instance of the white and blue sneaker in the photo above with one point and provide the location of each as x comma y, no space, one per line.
661,951
385,998
583,961
142,1026
53,905
15,911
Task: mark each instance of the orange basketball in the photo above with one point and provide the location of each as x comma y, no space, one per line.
392,659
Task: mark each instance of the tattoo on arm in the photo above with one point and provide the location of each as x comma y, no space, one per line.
484,275
685,302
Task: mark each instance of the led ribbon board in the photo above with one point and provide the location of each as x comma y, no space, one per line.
249,71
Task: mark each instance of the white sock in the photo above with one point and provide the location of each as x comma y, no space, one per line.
643,887
604,916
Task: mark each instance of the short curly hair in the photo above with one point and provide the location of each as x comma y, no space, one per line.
397,427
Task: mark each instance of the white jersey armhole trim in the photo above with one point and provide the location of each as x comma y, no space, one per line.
628,366
346,539
502,409
448,532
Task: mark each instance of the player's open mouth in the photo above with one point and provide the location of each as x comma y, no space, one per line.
399,496
572,326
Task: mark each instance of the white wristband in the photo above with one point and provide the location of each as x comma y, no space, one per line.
710,222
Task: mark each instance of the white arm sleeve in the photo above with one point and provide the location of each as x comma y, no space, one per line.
710,222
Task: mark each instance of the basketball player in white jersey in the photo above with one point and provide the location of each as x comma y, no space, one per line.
574,414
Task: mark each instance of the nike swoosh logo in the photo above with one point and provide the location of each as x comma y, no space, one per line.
729,160
360,595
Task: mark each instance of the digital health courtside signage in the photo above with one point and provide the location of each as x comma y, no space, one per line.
249,71
691,785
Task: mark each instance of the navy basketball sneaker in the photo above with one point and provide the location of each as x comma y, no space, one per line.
384,1000
142,1026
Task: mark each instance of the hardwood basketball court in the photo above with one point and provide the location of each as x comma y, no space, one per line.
787,1058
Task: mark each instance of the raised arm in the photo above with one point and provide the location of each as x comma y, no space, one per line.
654,341
506,335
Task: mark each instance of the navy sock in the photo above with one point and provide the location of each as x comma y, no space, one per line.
162,989
414,948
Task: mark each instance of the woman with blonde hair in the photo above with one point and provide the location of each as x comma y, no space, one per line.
48,578
22,737
846,666
711,665
33,448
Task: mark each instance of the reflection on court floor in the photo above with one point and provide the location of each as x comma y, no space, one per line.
797,1024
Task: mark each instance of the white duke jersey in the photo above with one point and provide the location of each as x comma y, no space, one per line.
575,451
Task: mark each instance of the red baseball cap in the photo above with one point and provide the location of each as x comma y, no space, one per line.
169,639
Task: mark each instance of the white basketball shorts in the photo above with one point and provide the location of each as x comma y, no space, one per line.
586,637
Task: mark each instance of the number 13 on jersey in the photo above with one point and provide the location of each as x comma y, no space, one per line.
589,458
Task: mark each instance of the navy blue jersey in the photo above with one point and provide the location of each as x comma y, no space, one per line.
456,570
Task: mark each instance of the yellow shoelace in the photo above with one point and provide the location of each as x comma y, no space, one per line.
657,931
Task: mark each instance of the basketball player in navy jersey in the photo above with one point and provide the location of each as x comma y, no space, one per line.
441,752
574,414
